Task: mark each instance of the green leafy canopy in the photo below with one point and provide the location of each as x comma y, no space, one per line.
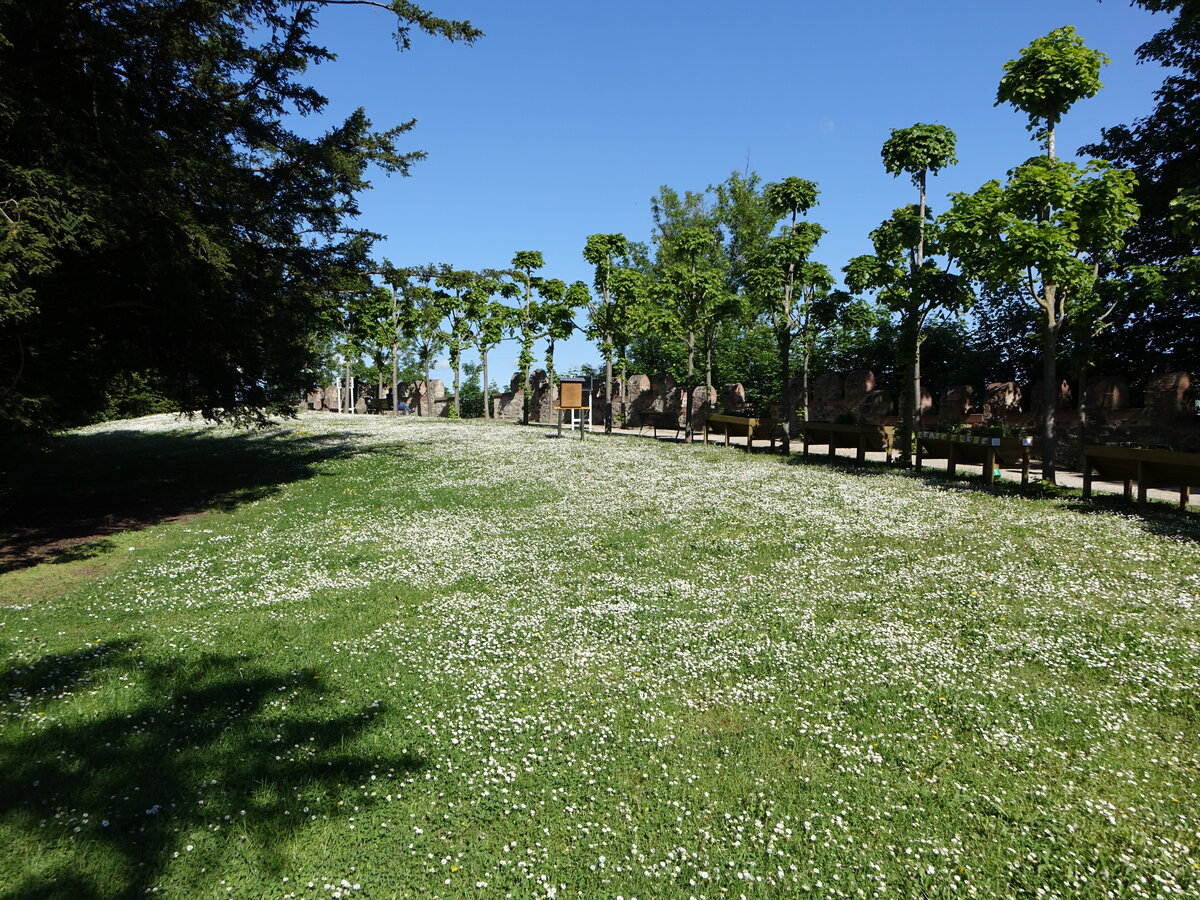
918,149
1051,74
163,211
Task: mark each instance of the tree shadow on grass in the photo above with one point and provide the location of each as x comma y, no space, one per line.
61,504
79,552
1158,517
209,748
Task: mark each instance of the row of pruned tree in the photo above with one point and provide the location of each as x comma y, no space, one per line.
1053,248
436,308
1049,234
743,253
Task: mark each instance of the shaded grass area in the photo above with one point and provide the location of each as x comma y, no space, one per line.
145,776
1160,516
63,504
462,661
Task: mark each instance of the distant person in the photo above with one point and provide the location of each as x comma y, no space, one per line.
402,408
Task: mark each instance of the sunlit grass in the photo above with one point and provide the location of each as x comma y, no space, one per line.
448,659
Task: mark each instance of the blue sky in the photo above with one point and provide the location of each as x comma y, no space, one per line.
567,117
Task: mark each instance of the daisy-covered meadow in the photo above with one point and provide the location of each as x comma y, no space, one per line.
466,660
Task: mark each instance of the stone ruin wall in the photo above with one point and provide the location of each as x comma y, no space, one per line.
854,395
1105,416
327,398
646,400
1167,416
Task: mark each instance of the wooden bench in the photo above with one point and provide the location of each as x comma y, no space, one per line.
1149,468
987,452
862,438
382,406
748,426
667,421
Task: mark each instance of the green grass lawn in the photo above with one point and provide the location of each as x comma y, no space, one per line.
365,657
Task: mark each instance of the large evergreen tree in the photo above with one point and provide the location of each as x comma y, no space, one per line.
1161,329
159,212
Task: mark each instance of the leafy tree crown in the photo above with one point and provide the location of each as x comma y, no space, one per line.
918,149
791,197
1051,74
528,260
601,250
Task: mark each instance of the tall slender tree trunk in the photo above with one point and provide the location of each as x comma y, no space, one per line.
624,382
910,332
804,383
784,336
921,225
916,382
527,348
1088,334
395,377
608,352
1049,392
427,392
785,383
1084,370
1049,350
395,352
527,400
487,400
912,412
691,387
457,379
709,387
608,374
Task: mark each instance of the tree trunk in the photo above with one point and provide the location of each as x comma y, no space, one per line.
804,384
911,413
487,400
1049,399
624,394
395,378
784,337
1084,366
785,365
457,379
527,344
691,387
526,400
427,393
709,387
395,354
608,372
916,384
1049,345
909,401
921,225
